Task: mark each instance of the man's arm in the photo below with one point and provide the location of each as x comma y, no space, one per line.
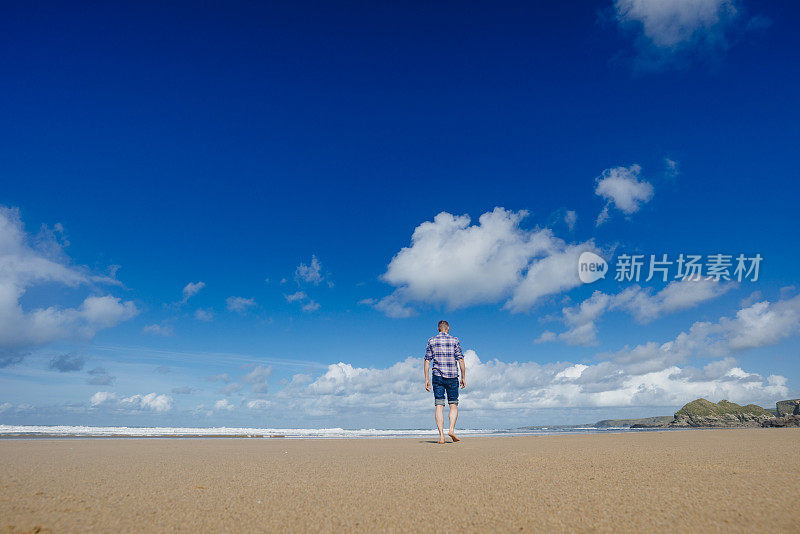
460,358
425,363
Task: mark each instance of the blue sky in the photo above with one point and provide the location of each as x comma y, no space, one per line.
256,214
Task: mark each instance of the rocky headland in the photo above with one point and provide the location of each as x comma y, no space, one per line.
702,413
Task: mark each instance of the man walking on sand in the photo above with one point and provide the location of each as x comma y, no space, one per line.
445,350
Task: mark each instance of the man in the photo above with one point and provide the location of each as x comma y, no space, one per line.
445,350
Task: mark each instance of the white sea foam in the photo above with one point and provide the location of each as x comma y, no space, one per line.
123,431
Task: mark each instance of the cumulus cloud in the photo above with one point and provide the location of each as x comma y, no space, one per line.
257,378
294,297
761,324
191,289
621,189
391,305
151,401
677,295
27,261
239,304
259,374
310,306
495,385
311,273
678,31
307,305
642,303
458,264
65,363
678,22
102,397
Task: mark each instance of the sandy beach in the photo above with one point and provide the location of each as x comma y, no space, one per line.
699,480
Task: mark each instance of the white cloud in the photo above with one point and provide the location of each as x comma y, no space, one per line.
672,168
203,315
191,289
158,329
677,23
31,260
677,295
621,188
580,320
310,306
151,401
223,405
239,304
299,295
552,274
763,324
309,273
259,374
495,385
639,302
759,325
102,397
570,219
454,263
391,305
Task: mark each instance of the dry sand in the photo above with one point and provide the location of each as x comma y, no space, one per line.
698,480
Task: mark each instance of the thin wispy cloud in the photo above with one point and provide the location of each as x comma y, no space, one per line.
191,289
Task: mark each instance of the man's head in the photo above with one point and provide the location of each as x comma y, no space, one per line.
444,326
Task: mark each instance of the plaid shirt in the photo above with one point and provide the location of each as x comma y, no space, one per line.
444,350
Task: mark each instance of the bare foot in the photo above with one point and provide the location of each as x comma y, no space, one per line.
441,440
453,437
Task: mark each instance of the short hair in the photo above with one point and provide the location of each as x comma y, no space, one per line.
442,324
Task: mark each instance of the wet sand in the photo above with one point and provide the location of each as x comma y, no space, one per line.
697,480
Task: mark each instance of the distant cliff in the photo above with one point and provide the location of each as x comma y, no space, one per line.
704,413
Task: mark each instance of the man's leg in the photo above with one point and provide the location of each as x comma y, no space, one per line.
453,417
440,421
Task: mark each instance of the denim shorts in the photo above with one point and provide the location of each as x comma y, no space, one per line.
442,385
